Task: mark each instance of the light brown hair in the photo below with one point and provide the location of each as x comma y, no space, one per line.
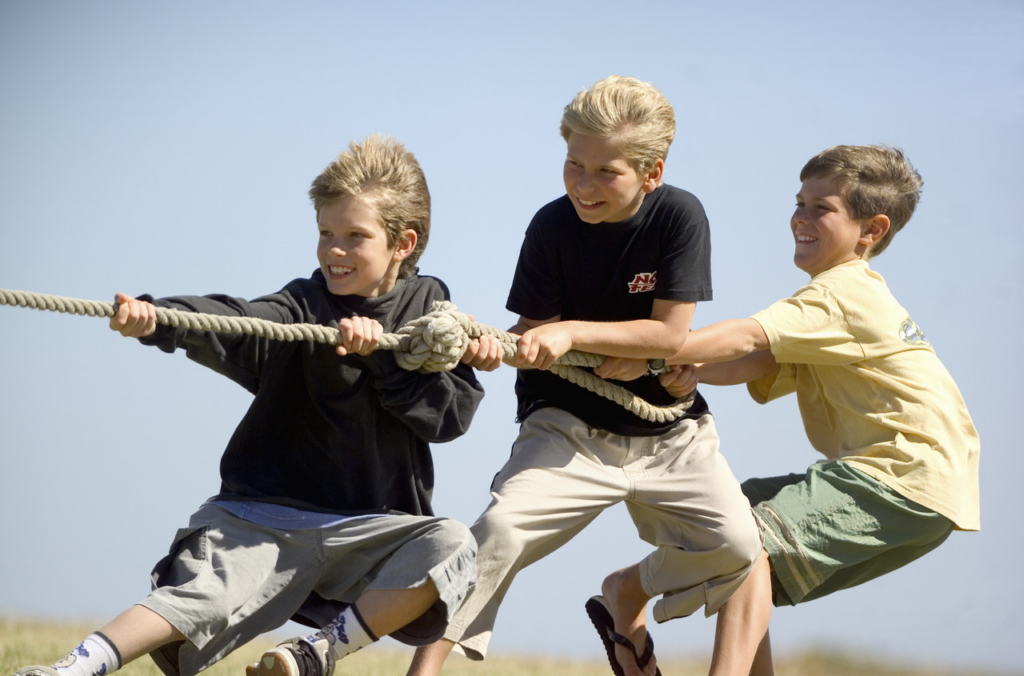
871,180
389,177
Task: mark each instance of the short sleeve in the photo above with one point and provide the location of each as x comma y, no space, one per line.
810,328
774,386
684,273
535,292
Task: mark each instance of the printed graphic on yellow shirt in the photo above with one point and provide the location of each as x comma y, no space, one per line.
911,333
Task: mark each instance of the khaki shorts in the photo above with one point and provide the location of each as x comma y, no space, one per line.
227,580
835,527
679,490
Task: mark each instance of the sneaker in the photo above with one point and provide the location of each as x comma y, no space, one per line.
36,670
295,657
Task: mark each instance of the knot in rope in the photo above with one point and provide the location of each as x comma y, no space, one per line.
434,342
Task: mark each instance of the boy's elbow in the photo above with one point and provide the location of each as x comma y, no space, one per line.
666,343
450,429
769,367
677,352
674,347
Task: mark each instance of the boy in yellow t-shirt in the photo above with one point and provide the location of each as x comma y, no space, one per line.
901,468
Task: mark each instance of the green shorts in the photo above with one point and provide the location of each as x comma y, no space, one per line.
836,527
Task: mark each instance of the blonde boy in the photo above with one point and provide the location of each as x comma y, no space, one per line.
615,267
323,514
901,468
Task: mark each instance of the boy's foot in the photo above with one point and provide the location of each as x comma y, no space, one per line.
36,670
296,657
623,607
601,616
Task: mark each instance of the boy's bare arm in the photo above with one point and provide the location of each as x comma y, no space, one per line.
658,337
755,365
524,324
726,353
722,341
738,371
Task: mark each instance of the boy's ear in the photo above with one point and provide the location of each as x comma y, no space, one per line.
874,229
406,243
653,178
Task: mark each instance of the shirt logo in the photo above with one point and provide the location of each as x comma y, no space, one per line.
911,333
644,281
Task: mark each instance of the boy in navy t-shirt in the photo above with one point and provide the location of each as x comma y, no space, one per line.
613,267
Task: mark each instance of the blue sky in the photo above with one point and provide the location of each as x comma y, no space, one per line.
167,148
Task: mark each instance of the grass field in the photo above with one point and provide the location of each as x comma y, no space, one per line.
28,642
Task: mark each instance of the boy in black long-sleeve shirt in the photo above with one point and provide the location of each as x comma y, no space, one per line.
324,510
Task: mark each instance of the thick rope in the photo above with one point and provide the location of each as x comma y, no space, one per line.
432,343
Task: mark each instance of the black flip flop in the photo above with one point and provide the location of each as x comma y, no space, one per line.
601,616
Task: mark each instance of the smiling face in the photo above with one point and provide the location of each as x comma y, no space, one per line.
353,251
602,185
825,233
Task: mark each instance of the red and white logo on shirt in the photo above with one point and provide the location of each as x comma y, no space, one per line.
644,281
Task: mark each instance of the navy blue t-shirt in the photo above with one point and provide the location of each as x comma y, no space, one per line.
609,272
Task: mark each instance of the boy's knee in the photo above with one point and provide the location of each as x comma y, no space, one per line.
461,531
496,529
454,533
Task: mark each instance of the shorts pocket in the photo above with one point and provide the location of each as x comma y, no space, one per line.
186,559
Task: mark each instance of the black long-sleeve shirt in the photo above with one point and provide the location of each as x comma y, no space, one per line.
348,435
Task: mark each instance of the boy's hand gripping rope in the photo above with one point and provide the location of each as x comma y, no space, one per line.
434,342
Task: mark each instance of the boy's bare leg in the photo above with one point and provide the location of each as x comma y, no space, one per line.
388,610
763,658
627,601
377,613
429,659
139,631
742,646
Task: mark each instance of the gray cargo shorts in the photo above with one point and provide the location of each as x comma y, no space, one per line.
227,580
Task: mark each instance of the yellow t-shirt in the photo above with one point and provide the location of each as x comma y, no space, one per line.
872,391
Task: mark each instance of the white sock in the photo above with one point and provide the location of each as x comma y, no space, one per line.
346,634
95,656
